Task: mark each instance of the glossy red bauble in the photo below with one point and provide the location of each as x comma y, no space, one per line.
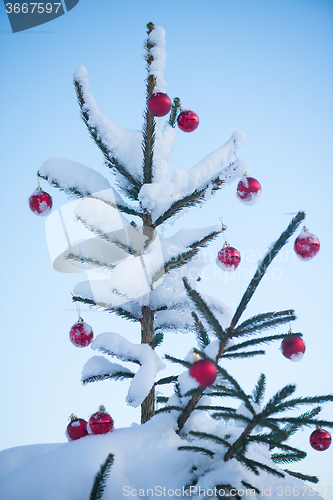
248,190
228,258
187,120
320,440
76,429
40,202
293,348
81,334
100,422
159,104
204,371
306,245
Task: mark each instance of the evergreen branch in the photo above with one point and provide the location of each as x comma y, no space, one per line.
262,466
259,390
176,360
205,310
291,403
182,419
148,136
292,429
115,375
304,477
201,331
101,478
122,313
120,206
264,321
158,339
230,416
212,437
192,392
162,399
239,392
261,340
250,487
190,200
287,458
166,380
168,409
268,439
89,261
216,408
277,398
248,354
174,263
204,241
174,112
111,160
116,310
262,268
248,464
91,302
298,420
197,449
106,236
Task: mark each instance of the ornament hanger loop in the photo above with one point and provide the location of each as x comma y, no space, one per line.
77,309
224,229
38,187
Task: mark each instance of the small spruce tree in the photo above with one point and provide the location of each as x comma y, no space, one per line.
151,282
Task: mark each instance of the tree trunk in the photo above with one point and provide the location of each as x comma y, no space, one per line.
147,337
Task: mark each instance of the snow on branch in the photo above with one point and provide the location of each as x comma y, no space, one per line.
144,379
75,178
157,65
100,368
194,185
121,147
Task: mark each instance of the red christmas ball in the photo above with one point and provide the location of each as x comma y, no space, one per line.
228,258
76,429
306,245
320,440
159,104
81,334
204,371
248,190
293,348
187,120
40,202
100,422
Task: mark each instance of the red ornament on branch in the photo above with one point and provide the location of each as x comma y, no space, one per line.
293,348
306,245
40,202
159,104
81,334
100,422
204,371
320,440
76,429
228,258
248,190
187,120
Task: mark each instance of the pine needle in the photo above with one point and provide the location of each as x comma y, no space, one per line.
101,478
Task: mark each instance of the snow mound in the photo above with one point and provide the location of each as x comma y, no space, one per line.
147,463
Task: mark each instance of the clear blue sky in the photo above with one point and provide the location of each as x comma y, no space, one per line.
262,67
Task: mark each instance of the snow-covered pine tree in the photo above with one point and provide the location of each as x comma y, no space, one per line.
151,280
